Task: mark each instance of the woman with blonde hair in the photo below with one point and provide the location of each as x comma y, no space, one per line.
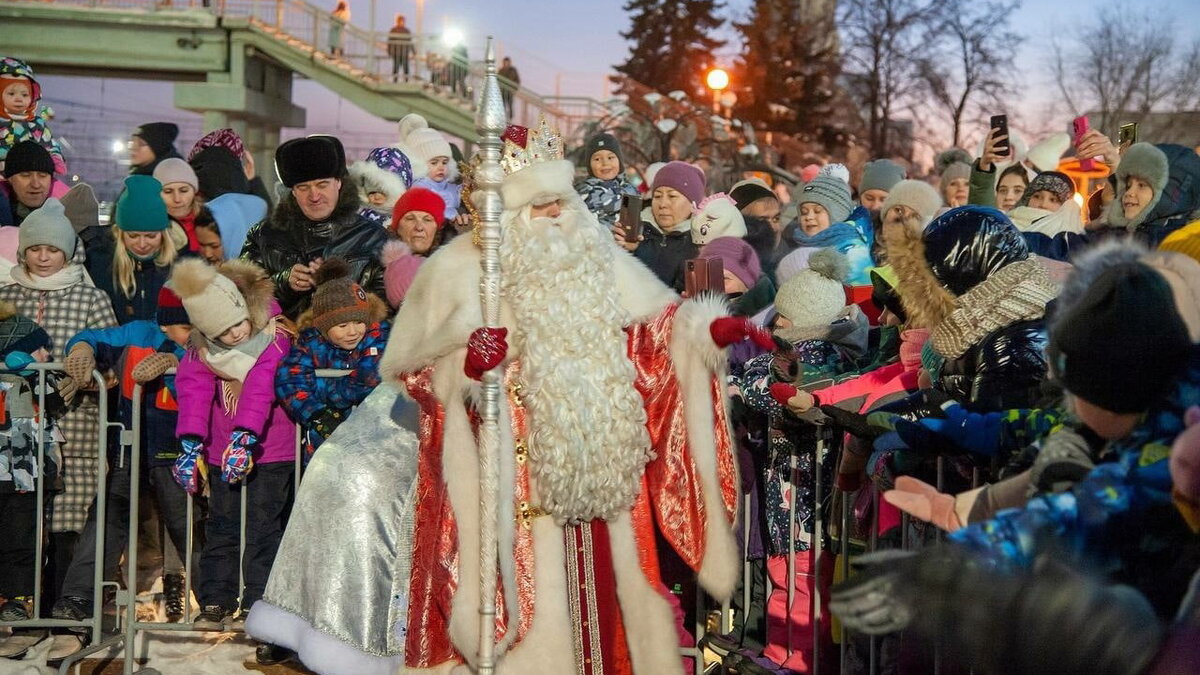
147,243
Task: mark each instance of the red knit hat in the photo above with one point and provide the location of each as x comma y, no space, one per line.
170,310
419,199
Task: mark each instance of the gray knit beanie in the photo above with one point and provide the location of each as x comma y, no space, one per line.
880,174
47,225
829,192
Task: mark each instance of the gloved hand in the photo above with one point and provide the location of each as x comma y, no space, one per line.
924,441
972,432
80,362
486,348
154,366
922,500
237,461
187,470
870,601
730,329
67,388
791,397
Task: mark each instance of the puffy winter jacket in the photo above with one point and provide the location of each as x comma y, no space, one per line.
289,238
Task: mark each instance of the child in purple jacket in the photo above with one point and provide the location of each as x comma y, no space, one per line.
228,413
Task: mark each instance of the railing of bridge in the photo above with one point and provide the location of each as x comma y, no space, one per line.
404,60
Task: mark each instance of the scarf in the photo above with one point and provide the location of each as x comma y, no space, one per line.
1066,219
68,276
830,237
234,363
1017,292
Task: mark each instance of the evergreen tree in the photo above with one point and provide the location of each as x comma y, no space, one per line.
786,77
672,43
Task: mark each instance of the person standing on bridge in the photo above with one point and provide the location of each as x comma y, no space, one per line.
400,48
510,81
337,21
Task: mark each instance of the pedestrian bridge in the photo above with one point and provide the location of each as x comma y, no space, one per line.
234,62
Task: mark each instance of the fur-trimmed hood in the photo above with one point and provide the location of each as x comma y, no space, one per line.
368,178
1173,172
256,288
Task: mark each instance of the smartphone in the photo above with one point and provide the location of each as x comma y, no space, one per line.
1128,135
630,217
1079,127
1000,124
703,274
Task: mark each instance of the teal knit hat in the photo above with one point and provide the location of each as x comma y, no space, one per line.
141,208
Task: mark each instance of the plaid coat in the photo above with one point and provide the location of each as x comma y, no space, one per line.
63,313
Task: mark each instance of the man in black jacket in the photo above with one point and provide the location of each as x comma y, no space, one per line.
316,220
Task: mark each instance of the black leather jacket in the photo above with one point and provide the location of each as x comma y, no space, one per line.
288,238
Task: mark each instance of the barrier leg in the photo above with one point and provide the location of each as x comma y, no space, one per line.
818,527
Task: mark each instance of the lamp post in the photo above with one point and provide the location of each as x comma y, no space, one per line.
717,80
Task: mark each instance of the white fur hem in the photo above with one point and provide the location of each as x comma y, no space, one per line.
317,649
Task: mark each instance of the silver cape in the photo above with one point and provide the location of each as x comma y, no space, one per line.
338,591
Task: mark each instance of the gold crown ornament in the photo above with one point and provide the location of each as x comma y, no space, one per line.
524,147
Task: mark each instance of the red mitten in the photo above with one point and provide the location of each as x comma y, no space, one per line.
485,350
730,329
782,392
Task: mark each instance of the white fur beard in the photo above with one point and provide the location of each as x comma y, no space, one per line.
588,443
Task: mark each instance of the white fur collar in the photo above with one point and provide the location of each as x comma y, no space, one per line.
442,306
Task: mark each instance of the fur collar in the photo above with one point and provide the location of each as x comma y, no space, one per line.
1017,292
442,306
287,214
925,300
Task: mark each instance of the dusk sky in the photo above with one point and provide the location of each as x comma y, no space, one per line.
572,45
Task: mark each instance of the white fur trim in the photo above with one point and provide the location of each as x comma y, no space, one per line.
317,649
548,648
691,331
370,178
555,178
697,361
648,618
643,294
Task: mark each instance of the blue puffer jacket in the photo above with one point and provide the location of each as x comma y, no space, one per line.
122,348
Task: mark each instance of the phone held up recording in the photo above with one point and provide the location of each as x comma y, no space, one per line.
630,218
999,124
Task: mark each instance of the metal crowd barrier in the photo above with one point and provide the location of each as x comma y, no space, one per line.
95,622
132,626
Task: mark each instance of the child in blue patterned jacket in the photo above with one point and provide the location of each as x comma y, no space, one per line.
343,330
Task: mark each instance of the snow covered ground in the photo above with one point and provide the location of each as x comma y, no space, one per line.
169,652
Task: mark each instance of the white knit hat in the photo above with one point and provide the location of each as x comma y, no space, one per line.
212,300
1045,155
815,297
420,142
175,170
717,216
916,195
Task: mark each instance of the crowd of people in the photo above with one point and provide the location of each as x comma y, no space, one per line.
1001,358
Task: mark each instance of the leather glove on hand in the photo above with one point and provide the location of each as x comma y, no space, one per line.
187,470
922,500
972,432
154,366
80,362
729,329
486,348
237,461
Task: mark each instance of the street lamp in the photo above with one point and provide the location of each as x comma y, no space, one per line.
717,80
